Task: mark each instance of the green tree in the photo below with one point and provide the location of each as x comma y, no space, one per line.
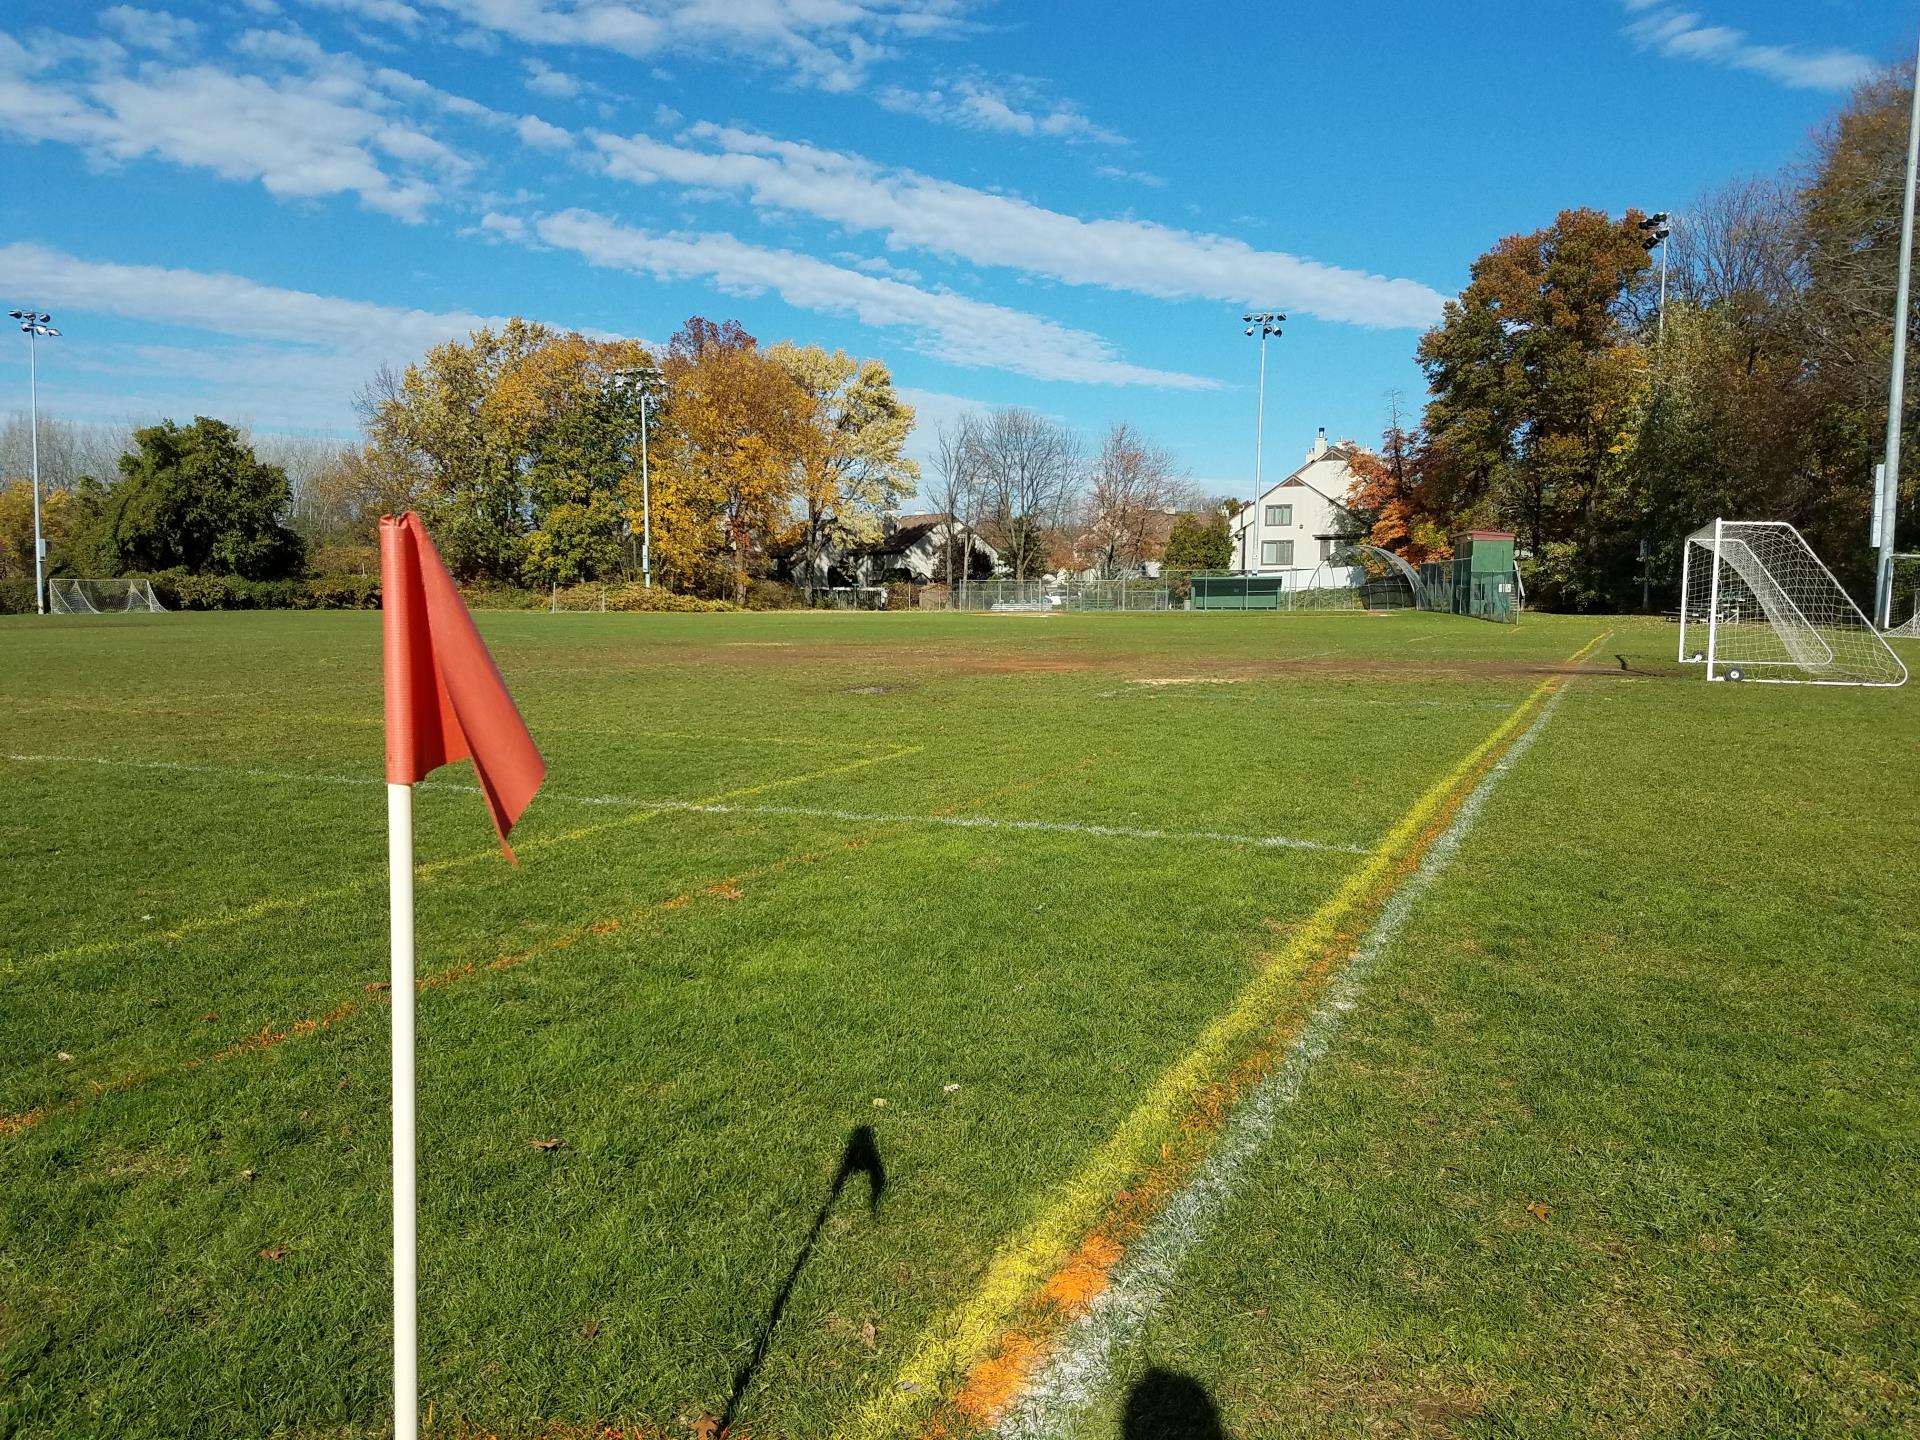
1198,542
195,497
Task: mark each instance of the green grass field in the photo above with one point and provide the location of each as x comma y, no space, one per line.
884,976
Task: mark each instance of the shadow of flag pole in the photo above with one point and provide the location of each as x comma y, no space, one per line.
445,701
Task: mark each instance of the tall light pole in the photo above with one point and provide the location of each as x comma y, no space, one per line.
1269,322
1654,230
648,386
36,323
1889,499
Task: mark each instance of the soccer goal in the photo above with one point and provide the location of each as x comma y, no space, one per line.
1756,603
1903,618
69,596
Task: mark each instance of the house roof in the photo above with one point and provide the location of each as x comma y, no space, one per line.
905,537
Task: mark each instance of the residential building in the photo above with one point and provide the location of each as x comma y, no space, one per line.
1299,524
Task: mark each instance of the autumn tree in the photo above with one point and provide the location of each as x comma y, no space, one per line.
1391,497
956,489
735,425
1534,373
569,412
1029,470
516,445
1134,487
850,469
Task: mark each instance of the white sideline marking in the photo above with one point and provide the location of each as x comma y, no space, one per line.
860,817
1081,1364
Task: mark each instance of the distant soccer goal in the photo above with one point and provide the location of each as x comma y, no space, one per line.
1758,604
69,596
1903,616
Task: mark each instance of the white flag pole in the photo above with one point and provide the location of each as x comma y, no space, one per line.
406,1358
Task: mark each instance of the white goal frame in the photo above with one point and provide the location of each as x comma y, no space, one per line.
1773,612
1909,627
80,595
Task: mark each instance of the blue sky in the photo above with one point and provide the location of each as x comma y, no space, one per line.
244,208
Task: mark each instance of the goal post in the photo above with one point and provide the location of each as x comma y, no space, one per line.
1903,617
75,595
1757,603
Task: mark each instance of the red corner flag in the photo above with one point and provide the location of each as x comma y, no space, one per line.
445,698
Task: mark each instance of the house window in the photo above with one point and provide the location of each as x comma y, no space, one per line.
1326,549
1276,552
1279,514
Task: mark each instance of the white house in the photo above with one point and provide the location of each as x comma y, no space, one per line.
1299,523
918,548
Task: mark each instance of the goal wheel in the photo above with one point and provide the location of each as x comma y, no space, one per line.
1736,673
1699,657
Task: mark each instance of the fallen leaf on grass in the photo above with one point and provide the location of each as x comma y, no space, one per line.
707,1427
553,1144
949,1089
249,1174
61,1055
1539,1211
273,1252
590,1331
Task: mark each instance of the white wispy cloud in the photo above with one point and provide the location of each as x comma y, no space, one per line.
303,123
828,44
385,12
149,29
540,135
273,354
1013,106
543,79
1684,35
263,353
917,212
952,327
1138,177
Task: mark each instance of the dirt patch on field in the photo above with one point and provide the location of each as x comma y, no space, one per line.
922,662
1191,680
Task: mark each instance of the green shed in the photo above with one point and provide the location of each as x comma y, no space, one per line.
1483,574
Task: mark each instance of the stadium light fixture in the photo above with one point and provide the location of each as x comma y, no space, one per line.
35,324
1268,322
1654,230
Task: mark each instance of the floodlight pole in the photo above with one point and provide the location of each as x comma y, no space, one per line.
1269,323
642,383
646,502
36,323
1896,399
1661,334
33,440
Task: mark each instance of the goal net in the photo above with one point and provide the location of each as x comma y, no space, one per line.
1758,604
1903,617
69,596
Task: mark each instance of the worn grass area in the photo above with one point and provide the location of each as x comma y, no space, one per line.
971,883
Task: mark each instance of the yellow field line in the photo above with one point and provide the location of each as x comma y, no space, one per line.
969,1331
260,909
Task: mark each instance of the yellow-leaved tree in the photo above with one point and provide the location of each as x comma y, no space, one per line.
726,468
849,467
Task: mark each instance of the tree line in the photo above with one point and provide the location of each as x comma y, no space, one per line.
1565,407
541,458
